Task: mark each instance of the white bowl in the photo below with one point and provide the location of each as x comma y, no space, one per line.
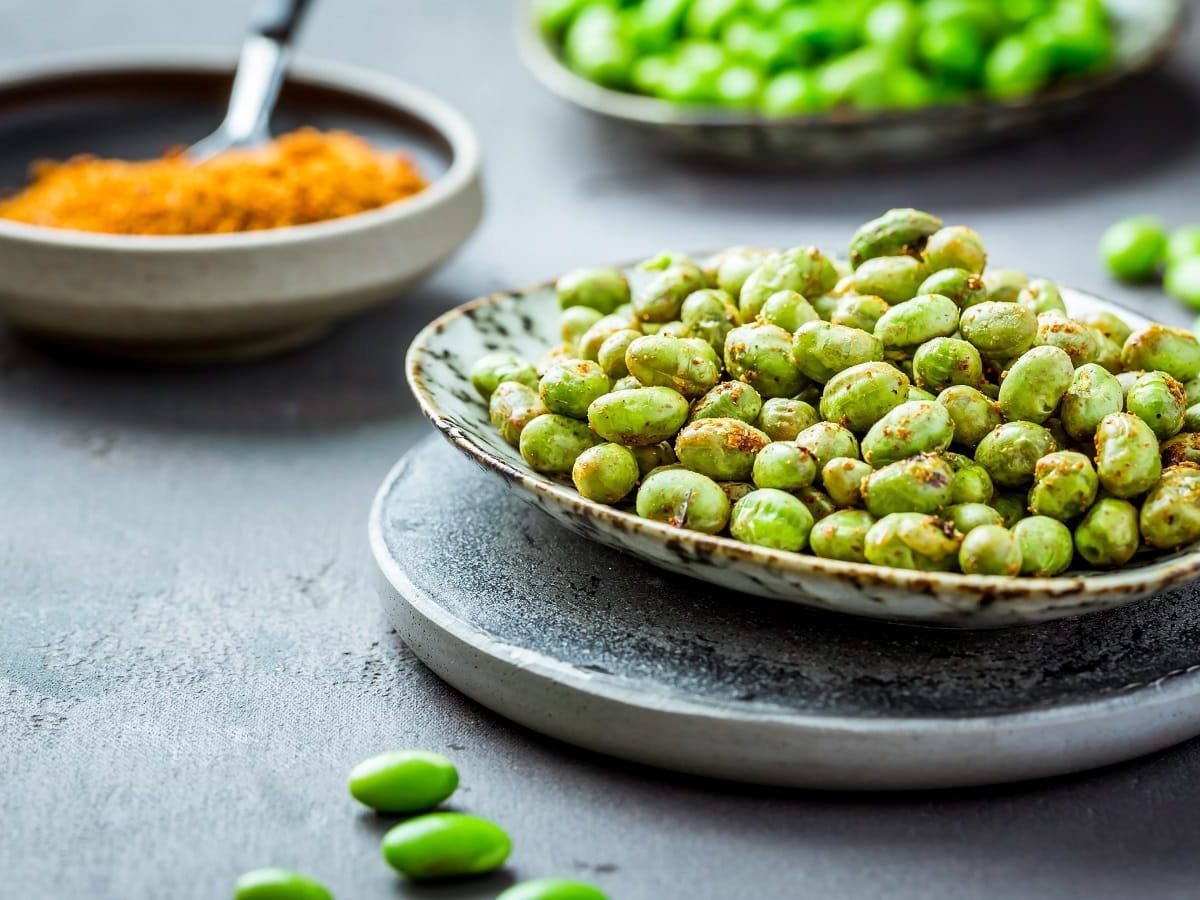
228,295
526,322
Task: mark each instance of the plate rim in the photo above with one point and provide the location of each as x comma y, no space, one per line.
1120,585
912,737
552,74
441,116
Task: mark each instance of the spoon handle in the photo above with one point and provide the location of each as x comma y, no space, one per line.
256,85
280,19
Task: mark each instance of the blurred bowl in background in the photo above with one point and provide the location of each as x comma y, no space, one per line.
1145,31
200,298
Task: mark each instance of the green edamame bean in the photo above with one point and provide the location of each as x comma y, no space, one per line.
1191,391
1010,505
1010,452
513,406
653,456
826,441
1133,248
1163,349
551,443
1127,455
570,387
736,266
1036,383
945,361
1183,448
1182,281
574,323
760,354
821,349
689,367
1108,535
956,247
1184,243
592,340
921,319
1110,325
639,417
1077,339
974,413
999,330
805,270
1015,67
913,541
789,310
1191,418
605,473
1170,517
403,781
858,311
916,393
278,884
782,419
919,484
1041,296
445,845
1064,485
722,449
817,502
842,535
965,517
842,478
1093,394
595,46
860,396
1004,285
709,305
898,232
771,518
893,278
552,889
784,465
611,355
684,499
965,288
602,289
729,400
1047,546
972,483
628,383
921,426
990,550
494,369
1159,401
662,299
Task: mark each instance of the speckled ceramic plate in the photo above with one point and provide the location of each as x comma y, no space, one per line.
526,323
1146,31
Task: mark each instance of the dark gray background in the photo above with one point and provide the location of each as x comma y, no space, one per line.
193,654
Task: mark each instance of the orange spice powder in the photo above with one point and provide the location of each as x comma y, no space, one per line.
300,177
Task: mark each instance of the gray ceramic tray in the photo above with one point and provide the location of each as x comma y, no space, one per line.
595,648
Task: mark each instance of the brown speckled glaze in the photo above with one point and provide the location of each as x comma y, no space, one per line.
525,323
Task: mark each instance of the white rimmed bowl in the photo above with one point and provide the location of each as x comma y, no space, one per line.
525,323
1146,30
204,297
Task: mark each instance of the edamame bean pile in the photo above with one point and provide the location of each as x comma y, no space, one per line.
796,57
905,407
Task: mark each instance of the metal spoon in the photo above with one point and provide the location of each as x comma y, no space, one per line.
261,67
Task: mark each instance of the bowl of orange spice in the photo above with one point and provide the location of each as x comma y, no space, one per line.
115,241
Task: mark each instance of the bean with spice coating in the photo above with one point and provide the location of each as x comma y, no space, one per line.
842,535
1047,546
684,499
771,518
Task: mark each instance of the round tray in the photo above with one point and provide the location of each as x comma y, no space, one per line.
597,649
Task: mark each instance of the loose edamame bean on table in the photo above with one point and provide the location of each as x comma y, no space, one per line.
445,845
403,781
278,884
999,434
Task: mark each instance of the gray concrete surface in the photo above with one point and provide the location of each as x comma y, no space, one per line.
190,651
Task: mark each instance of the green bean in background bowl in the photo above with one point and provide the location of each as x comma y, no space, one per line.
840,83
